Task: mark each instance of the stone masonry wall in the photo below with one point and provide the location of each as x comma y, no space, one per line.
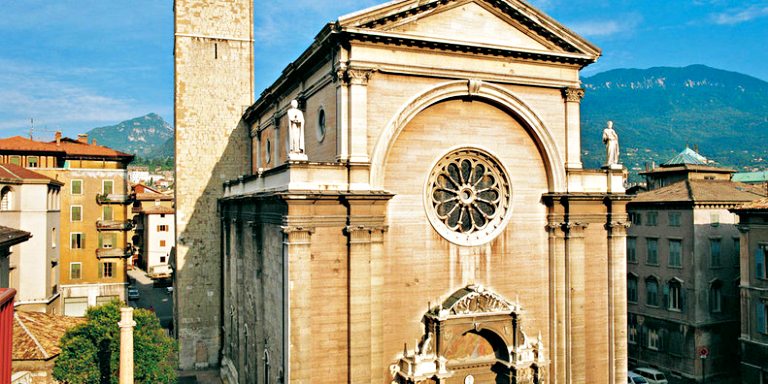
214,84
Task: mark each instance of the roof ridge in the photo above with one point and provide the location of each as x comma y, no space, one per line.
31,336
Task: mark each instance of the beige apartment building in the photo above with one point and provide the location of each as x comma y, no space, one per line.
683,270
419,214
94,221
753,286
155,229
30,202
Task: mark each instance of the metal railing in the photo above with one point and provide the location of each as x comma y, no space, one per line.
114,225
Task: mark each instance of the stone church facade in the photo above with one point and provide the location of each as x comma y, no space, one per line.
442,230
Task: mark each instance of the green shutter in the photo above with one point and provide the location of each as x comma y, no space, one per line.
760,263
760,316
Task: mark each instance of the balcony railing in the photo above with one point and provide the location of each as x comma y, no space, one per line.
114,225
6,333
113,198
103,253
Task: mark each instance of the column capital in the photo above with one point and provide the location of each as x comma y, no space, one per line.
618,227
574,228
358,76
290,229
743,228
365,227
573,95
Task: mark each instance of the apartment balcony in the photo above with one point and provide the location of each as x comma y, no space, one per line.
114,225
112,253
113,198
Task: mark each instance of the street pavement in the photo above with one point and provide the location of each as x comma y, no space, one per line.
153,298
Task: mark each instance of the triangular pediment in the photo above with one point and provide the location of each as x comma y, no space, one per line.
502,24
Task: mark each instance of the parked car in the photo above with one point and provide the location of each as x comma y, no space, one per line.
133,294
653,376
634,378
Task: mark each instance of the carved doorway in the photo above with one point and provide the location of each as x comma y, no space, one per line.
474,337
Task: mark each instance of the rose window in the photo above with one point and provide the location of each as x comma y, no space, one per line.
468,197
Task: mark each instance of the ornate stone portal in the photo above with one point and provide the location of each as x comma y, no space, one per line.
475,335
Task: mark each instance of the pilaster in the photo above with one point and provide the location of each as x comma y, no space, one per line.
617,304
297,241
557,294
572,98
358,114
744,279
378,369
575,301
360,316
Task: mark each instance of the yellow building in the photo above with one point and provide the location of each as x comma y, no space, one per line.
94,214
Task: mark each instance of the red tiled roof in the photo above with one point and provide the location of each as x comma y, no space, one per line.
158,209
153,196
67,147
756,205
36,335
17,172
702,191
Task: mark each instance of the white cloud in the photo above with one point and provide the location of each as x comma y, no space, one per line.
604,28
737,16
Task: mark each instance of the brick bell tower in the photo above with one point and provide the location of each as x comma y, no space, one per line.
213,80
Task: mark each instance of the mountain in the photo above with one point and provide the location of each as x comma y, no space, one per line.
658,111
146,136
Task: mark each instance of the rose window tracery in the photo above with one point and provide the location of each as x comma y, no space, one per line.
468,196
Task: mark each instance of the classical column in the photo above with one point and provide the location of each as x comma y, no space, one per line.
358,114
575,301
298,256
572,97
557,294
126,325
359,302
617,303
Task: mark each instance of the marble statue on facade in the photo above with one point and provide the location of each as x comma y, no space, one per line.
296,132
611,141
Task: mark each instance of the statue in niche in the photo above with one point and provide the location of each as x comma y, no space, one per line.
611,141
296,132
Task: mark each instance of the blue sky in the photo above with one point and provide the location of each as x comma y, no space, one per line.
77,64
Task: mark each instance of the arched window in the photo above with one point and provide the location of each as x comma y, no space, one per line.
673,295
632,288
266,366
6,199
652,291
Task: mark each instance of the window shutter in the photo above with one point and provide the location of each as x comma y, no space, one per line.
682,298
760,316
760,263
101,270
82,240
666,295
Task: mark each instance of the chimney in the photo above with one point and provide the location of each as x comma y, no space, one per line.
82,138
93,141
58,138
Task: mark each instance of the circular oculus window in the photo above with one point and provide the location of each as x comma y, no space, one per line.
468,196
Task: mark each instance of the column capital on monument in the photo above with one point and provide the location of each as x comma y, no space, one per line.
573,95
618,227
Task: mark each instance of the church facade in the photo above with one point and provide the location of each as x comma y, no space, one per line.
435,225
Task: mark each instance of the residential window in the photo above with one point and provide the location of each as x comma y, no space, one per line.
674,219
736,250
162,259
76,213
107,240
632,333
77,240
652,251
162,243
75,271
107,270
636,218
714,253
53,237
632,288
673,296
716,296
652,218
675,253
631,249
15,160
106,187
32,161
77,187
761,315
162,228
653,339
106,213
760,269
652,292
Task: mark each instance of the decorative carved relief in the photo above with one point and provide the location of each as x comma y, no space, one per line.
573,95
474,86
359,76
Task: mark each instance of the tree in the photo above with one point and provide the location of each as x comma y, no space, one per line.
90,352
